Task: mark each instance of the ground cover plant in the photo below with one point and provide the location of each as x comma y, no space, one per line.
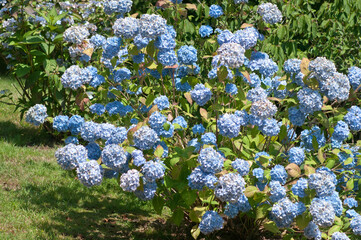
196,119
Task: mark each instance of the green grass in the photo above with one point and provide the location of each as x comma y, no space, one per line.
39,200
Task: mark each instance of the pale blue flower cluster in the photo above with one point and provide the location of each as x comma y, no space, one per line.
261,62
350,202
97,40
230,55
72,77
263,109
230,187
201,94
296,116
71,139
215,11
322,212
296,155
340,133
187,55
76,34
310,100
138,158
152,26
312,231
210,160
229,125
126,28
61,123
117,6
247,37
162,102
90,173
75,124
198,179
242,166
114,157
242,205
145,138
278,173
270,13
205,31
97,108
323,181
149,190
153,170
300,187
356,225
36,115
198,129
180,121
70,156
292,66
129,181
211,221
90,131
353,118
307,137
270,127
256,94
354,76
278,192
339,236
283,212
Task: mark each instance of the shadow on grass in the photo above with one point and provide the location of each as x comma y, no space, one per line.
82,213
24,136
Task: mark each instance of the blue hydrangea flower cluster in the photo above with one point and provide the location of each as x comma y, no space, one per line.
308,135
278,192
180,121
97,108
270,13
323,181
61,123
242,205
261,62
205,31
72,77
278,173
310,100
270,127
70,156
187,55
129,181
356,225
296,155
228,125
354,76
312,231
117,6
256,94
210,160
283,212
300,187
76,34
215,11
94,151
296,116
353,118
198,179
162,102
263,109
138,158
241,166
90,173
322,212
145,138
230,187
339,236
350,202
211,221
126,28
292,66
152,26
230,55
114,157
201,94
198,129
71,139
36,115
152,171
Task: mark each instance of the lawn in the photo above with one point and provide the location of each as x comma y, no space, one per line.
39,200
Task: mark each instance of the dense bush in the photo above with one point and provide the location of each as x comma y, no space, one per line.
181,108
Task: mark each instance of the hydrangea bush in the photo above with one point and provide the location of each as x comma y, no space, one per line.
208,126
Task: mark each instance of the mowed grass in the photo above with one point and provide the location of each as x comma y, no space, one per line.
39,200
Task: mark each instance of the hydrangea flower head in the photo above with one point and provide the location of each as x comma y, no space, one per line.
277,191
145,138
162,102
215,11
211,221
72,77
296,155
117,6
353,118
129,181
76,34
210,160
187,55
283,213
312,231
322,212
126,28
94,151
90,173
152,26
114,157
201,94
242,166
308,135
205,31
300,187
310,100
61,123
228,125
270,13
152,171
36,115
354,76
278,173
70,156
231,55
263,109
230,187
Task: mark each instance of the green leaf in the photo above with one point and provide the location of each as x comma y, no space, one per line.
22,69
166,126
250,191
350,184
159,151
189,196
150,100
222,73
333,229
158,204
303,220
262,211
195,231
271,226
34,39
177,216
